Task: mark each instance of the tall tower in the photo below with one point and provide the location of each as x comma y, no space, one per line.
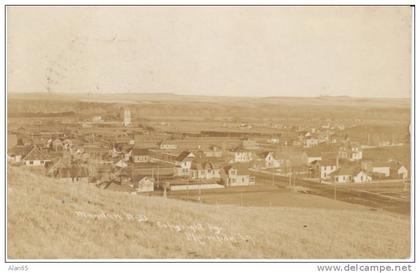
127,118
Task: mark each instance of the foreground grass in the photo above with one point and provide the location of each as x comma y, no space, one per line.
49,219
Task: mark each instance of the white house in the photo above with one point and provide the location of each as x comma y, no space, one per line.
167,145
381,169
361,176
242,155
350,151
233,178
183,163
326,168
36,158
269,160
310,141
145,184
342,175
402,172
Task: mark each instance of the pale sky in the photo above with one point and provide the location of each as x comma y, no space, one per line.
228,51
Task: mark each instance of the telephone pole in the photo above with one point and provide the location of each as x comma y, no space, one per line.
273,177
335,190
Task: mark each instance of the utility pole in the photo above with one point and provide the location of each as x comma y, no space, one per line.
158,180
164,189
335,190
290,180
404,183
273,176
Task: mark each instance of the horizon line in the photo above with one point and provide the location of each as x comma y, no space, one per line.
196,95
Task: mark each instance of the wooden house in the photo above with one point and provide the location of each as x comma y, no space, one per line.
140,155
17,153
350,151
205,170
183,163
233,176
144,184
242,155
36,157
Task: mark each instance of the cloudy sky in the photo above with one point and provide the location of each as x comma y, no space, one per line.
231,51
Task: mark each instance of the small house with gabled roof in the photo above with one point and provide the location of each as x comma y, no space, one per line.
144,184
140,155
36,157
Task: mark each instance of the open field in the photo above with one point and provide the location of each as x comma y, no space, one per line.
263,196
388,196
52,219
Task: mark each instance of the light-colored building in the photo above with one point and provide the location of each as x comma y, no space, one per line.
268,159
381,169
402,172
205,170
140,155
310,141
233,178
213,151
144,184
350,151
327,167
342,175
242,155
361,176
183,163
36,158
168,145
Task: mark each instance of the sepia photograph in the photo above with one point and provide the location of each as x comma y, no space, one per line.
209,133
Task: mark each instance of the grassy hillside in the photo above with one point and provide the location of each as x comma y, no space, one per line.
51,219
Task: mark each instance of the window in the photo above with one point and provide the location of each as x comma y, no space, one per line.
31,162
